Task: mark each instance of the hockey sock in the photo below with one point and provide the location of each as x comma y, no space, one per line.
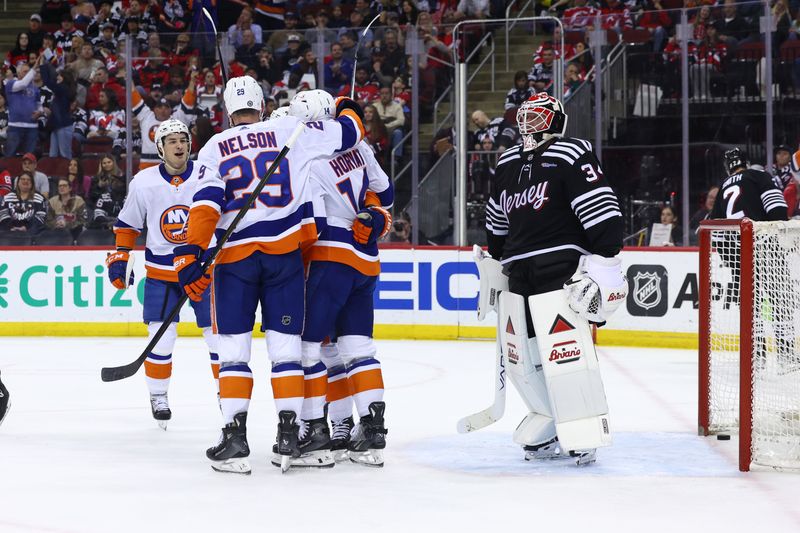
157,371
215,368
288,386
213,350
366,381
340,401
315,388
235,389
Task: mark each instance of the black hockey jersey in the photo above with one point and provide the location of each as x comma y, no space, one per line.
750,193
552,204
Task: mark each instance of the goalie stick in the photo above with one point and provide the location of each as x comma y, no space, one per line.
121,372
494,412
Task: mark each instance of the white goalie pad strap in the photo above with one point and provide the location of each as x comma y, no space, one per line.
492,281
522,354
572,373
597,288
534,430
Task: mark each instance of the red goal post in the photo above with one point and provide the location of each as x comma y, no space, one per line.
749,311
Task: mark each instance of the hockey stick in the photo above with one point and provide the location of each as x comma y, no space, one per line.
494,412
355,58
121,372
219,50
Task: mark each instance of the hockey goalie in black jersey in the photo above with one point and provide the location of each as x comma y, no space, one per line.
555,225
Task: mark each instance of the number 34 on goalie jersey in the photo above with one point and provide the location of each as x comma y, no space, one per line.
752,194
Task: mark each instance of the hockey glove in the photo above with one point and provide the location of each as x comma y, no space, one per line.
597,288
117,264
190,273
343,103
371,224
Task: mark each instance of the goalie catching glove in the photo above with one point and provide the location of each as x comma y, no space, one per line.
117,265
371,224
190,272
597,288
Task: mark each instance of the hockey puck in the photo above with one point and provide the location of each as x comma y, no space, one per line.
723,437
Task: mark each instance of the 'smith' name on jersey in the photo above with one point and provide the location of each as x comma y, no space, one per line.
553,202
750,193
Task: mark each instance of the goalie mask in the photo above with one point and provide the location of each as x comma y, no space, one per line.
735,158
167,127
540,118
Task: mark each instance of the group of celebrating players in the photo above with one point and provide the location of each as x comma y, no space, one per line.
306,251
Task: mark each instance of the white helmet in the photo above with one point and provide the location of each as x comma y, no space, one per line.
539,118
312,105
280,112
243,92
170,125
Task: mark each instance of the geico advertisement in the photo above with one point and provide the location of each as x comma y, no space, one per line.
426,286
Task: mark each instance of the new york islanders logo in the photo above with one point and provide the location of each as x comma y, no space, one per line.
173,224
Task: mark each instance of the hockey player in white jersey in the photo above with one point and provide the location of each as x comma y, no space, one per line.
341,280
158,200
262,261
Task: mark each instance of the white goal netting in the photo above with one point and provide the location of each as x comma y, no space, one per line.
775,326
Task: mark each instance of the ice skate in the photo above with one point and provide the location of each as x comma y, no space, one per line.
584,457
287,446
230,454
314,444
368,438
340,438
5,402
159,404
544,452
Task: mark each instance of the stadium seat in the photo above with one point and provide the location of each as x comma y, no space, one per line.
54,237
612,37
15,238
573,37
98,145
53,166
790,50
750,51
636,36
12,164
96,237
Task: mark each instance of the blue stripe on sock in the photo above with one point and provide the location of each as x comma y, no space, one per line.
234,368
156,357
319,367
286,367
214,357
363,362
337,370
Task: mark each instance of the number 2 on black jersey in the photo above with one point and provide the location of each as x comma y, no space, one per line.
731,197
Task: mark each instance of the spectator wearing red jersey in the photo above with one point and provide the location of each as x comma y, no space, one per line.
570,50
20,52
155,70
708,61
365,91
377,135
657,22
616,16
101,81
182,51
579,16
699,24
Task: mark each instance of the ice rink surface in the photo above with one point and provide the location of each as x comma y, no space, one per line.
80,455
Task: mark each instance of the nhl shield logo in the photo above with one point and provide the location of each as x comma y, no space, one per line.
647,289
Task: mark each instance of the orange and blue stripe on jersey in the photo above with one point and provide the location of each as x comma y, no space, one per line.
336,244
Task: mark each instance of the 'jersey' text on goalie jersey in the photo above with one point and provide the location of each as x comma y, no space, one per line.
282,218
344,180
554,203
752,194
159,202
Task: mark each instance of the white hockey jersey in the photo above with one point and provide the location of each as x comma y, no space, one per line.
344,180
282,218
148,124
159,202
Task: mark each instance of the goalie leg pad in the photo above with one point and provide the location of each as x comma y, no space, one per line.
522,354
572,373
535,430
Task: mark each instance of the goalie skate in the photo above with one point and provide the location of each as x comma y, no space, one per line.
368,438
543,452
230,454
584,457
159,405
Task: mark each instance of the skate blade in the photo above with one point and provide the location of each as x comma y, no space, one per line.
317,459
232,466
586,459
162,424
533,457
341,456
373,458
286,463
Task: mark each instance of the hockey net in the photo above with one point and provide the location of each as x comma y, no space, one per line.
749,361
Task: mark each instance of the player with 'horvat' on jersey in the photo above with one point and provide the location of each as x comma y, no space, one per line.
262,260
158,199
341,280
